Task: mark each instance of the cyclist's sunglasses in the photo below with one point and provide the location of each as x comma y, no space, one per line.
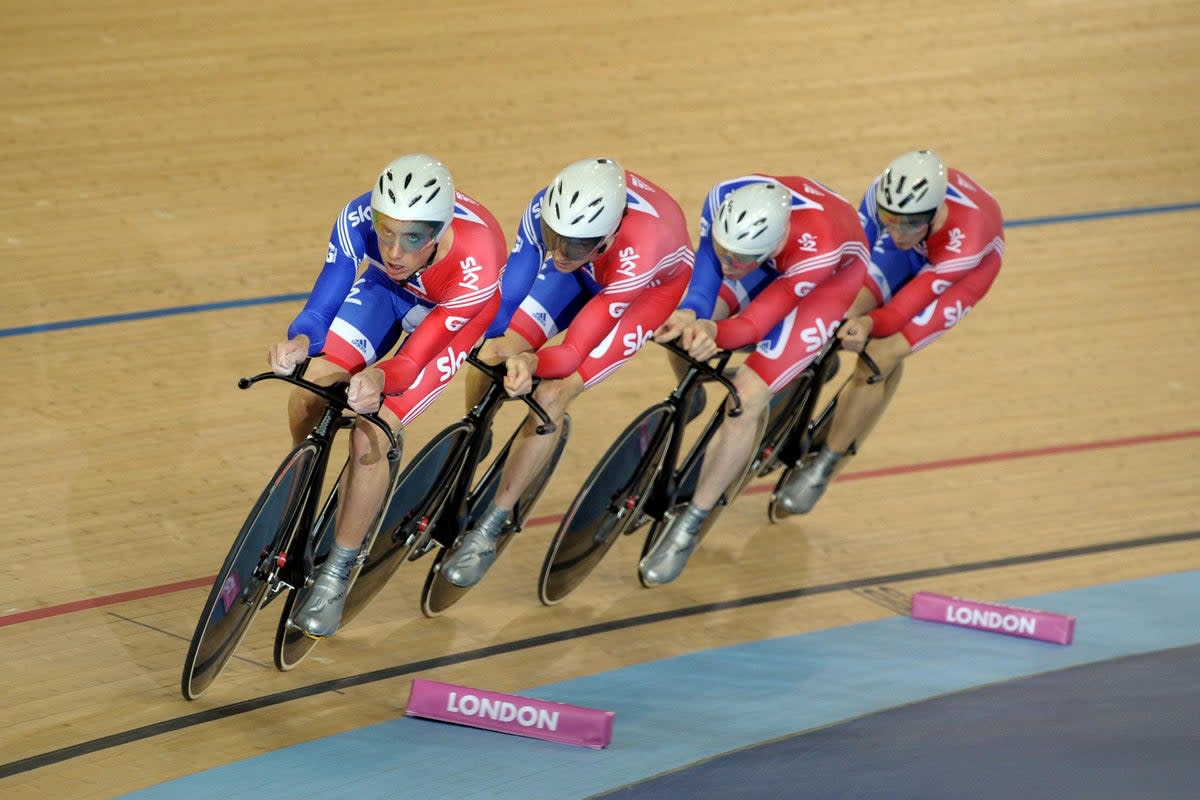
906,223
738,261
412,236
570,248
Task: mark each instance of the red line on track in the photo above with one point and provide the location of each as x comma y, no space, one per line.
903,469
105,600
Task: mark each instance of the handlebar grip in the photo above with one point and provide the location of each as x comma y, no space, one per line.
497,373
876,375
334,395
713,372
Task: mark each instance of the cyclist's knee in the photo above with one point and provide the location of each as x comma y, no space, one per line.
302,404
556,395
887,354
368,445
752,390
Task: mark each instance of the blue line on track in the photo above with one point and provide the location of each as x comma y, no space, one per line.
133,316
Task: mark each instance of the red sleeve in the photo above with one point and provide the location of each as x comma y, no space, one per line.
588,329
595,322
905,304
429,340
763,314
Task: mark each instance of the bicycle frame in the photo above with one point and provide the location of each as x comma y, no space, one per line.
664,488
453,483
332,419
265,562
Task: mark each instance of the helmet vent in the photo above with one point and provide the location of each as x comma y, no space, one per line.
914,183
585,199
598,205
415,186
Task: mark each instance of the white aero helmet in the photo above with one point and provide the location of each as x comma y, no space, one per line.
915,183
753,220
586,200
415,187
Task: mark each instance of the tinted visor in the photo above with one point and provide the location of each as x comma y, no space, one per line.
412,236
570,248
905,223
738,262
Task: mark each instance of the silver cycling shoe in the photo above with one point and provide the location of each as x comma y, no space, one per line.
476,551
319,606
670,555
801,493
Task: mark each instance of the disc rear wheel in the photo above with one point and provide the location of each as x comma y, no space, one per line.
610,501
440,594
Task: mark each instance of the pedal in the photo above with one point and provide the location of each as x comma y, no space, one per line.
277,588
641,521
425,545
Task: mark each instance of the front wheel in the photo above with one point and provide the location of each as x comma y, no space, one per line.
610,500
250,571
404,526
439,594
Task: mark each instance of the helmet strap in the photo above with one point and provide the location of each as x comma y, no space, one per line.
933,219
428,263
612,237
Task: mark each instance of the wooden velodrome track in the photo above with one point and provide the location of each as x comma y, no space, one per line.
197,153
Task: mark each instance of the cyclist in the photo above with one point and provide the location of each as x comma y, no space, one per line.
432,261
780,260
602,254
937,241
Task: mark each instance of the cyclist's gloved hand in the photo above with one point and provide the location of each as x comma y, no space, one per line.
699,339
284,356
365,391
670,330
855,332
519,379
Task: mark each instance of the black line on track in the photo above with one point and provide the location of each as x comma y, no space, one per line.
400,670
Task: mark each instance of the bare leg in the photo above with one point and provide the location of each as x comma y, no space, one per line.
478,548
733,444
861,404
530,451
364,489
859,407
366,481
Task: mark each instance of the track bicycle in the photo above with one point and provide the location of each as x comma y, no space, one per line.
454,486
637,480
284,539
434,500
640,469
